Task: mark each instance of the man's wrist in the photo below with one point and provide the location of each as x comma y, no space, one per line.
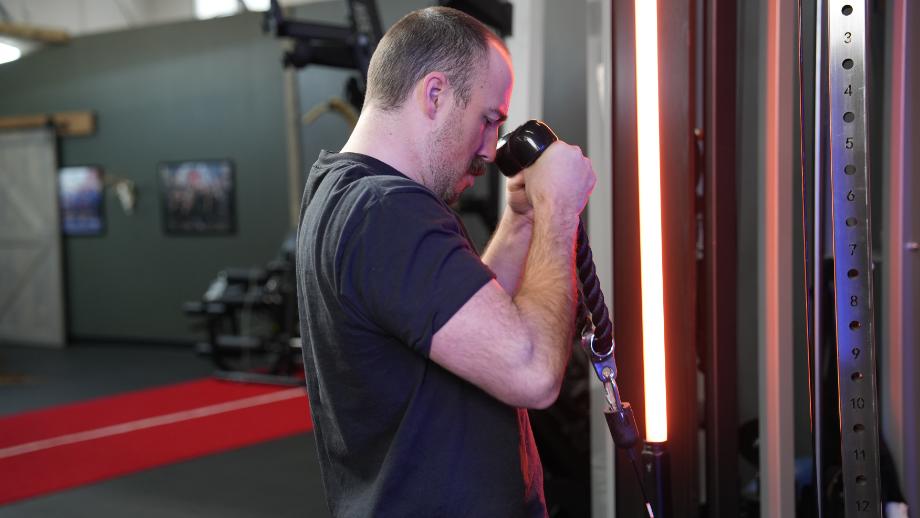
517,222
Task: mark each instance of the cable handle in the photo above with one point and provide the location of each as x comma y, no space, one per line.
520,149
516,151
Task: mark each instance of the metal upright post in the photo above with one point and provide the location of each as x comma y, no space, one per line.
856,373
817,280
776,449
718,284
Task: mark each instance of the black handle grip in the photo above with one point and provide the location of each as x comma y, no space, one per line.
521,148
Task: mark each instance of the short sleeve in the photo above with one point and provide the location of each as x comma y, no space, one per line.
408,267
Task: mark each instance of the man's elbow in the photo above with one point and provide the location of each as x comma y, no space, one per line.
537,375
548,395
542,387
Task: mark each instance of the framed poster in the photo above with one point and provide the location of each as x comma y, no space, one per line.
197,197
81,191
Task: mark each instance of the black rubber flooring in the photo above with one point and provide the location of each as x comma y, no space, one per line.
278,478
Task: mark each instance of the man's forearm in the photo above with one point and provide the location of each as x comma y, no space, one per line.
507,251
546,298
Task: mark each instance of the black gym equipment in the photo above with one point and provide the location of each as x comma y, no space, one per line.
336,46
251,324
494,13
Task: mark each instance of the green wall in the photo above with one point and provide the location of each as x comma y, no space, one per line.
193,90
203,89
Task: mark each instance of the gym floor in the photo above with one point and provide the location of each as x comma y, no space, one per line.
277,478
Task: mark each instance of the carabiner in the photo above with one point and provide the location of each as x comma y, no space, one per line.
604,365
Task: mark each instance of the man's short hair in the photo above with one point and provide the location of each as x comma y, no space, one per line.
428,40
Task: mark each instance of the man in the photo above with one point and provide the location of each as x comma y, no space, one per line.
421,357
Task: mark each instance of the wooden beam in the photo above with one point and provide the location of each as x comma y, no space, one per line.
33,33
66,124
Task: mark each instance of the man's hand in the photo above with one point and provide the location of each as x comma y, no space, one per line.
570,178
517,197
562,174
560,181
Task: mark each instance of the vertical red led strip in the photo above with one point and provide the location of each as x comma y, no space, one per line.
649,160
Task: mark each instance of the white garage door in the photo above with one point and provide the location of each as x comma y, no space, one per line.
31,280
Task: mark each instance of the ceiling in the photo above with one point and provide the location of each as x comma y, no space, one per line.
80,17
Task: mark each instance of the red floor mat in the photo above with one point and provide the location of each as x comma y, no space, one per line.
67,446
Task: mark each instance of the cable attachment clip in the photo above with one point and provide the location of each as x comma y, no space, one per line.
619,415
605,365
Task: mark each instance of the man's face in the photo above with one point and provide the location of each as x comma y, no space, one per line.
463,144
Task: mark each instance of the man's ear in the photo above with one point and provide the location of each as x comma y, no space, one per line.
433,94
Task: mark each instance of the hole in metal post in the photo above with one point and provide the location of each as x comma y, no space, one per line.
849,116
856,376
854,325
858,428
860,480
852,273
847,10
847,64
850,169
851,222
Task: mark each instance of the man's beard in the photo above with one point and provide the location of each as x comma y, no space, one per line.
443,175
446,180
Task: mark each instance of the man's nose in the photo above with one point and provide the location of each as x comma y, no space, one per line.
489,145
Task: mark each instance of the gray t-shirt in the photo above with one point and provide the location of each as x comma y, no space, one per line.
382,264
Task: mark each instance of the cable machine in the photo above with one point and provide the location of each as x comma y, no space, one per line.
842,124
